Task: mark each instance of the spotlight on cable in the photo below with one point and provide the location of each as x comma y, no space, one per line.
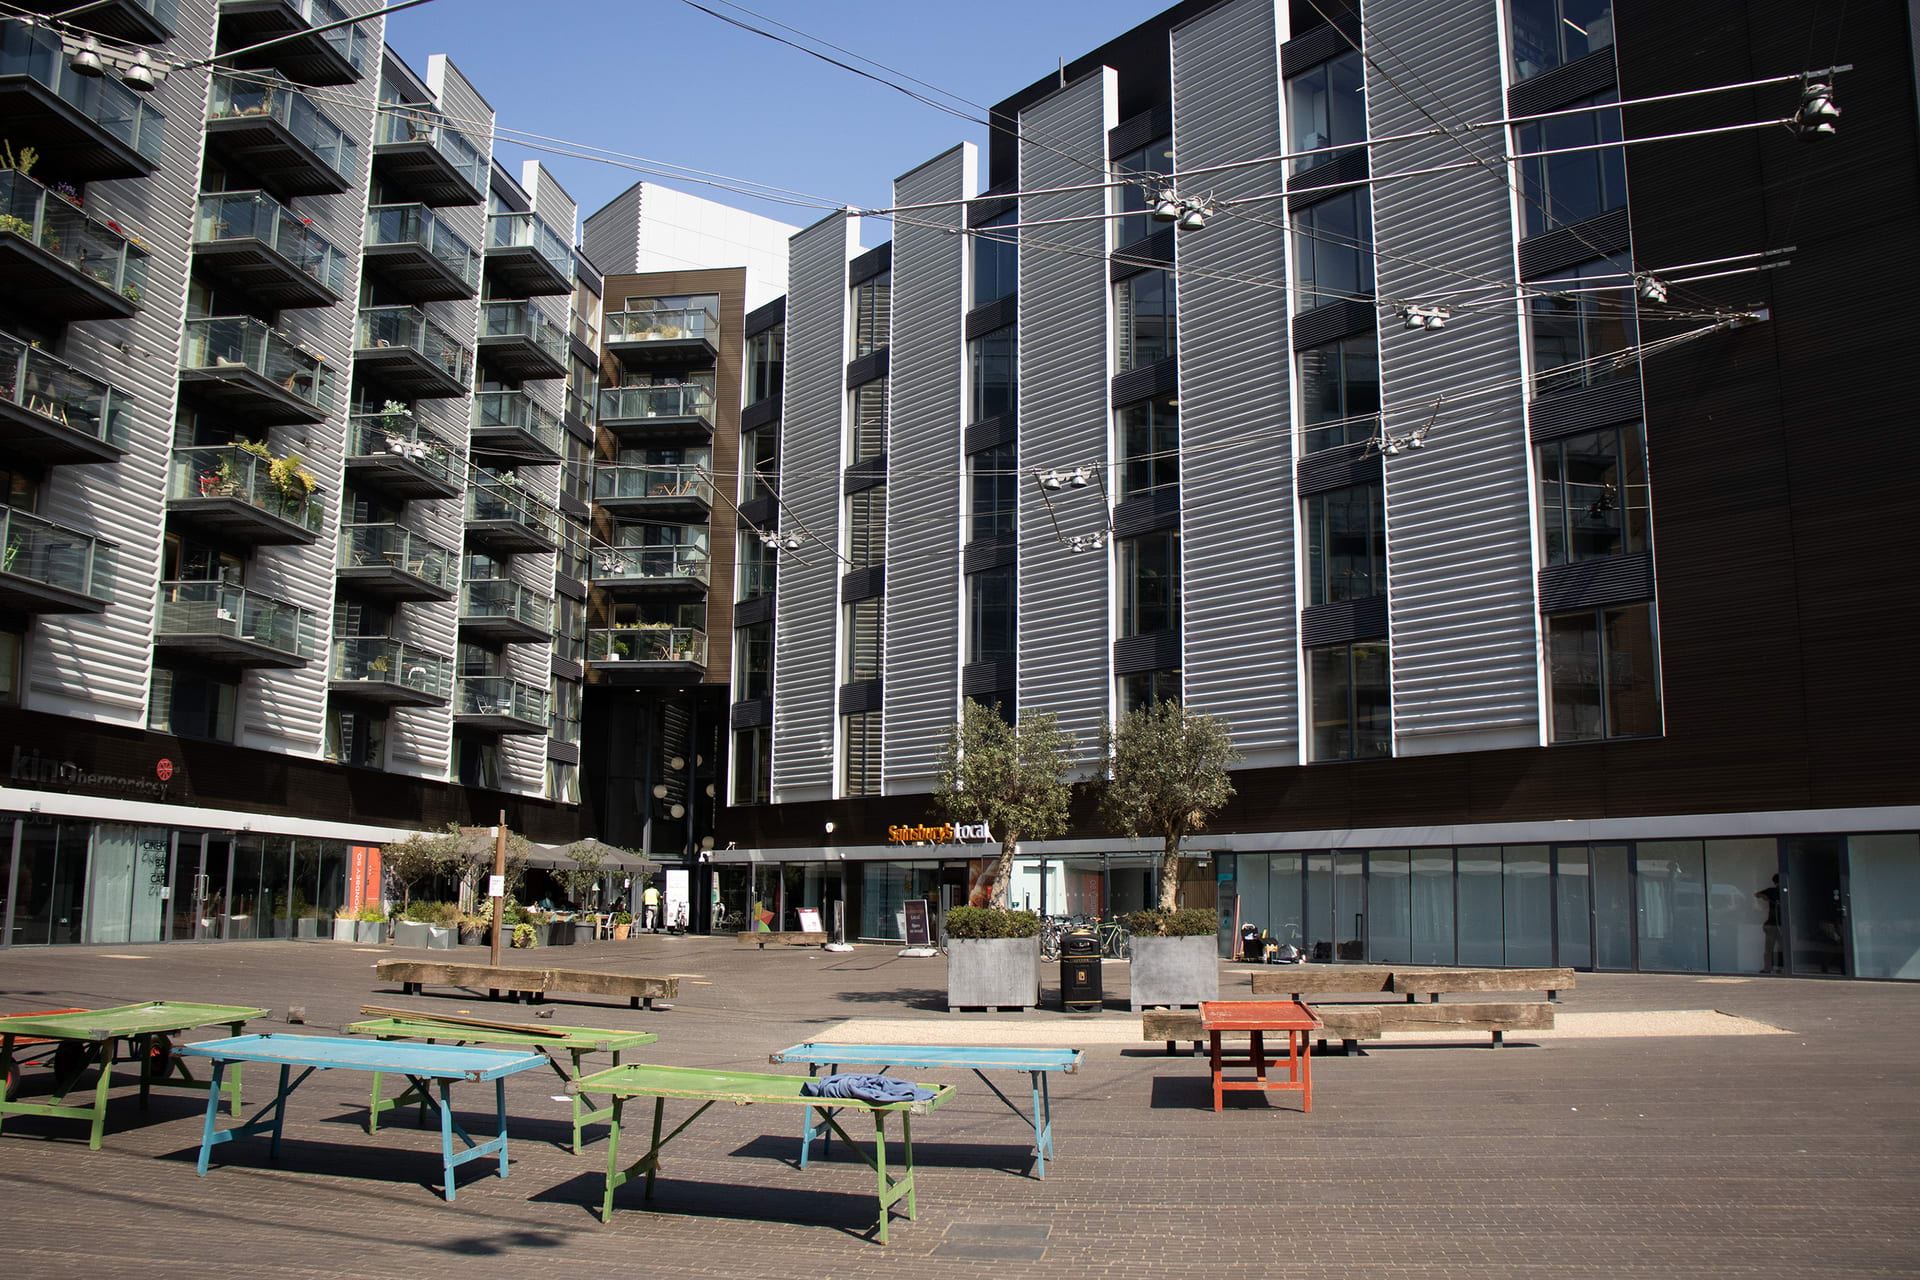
1415,318
1817,112
1651,290
86,59
792,542
1437,318
1052,480
1166,208
1192,219
138,75
1081,477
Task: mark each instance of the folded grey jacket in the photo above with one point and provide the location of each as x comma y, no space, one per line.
865,1087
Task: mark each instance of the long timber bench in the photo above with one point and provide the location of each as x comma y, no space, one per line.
785,938
533,984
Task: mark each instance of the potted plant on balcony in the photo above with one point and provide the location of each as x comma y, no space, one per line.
293,482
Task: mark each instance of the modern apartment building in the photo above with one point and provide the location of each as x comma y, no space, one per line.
296,383
1441,391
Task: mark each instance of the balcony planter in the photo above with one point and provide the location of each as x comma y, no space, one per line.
1173,963
410,933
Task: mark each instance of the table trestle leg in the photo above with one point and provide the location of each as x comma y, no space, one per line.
649,1164
889,1189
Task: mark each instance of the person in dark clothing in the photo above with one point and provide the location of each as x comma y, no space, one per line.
1776,961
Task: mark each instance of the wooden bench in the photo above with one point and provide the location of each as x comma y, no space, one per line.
1431,982
1347,1023
534,984
1352,1023
785,938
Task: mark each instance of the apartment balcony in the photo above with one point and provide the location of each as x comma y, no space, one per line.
281,137
47,568
249,239
394,455
229,626
339,56
526,257
507,520
671,568
512,422
408,353
518,342
381,670
666,491
641,415
132,21
416,150
230,492
681,335
245,369
497,704
393,563
54,413
648,652
61,262
86,129
497,611
413,251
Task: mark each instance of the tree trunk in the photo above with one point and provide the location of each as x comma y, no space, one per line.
1003,877
1169,873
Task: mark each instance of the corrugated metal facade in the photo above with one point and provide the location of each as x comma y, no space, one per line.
1460,559
1063,384
611,236
922,655
1236,453
814,405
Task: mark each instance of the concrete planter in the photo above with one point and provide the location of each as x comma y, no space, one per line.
993,972
374,931
343,930
582,933
410,933
441,937
1175,971
306,928
475,937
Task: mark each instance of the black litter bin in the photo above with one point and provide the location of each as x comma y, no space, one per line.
1080,985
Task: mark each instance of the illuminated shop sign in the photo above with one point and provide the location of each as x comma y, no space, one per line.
945,833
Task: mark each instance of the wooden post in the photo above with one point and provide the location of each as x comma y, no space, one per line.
500,881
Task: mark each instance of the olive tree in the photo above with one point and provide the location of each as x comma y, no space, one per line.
1168,776
417,859
1011,777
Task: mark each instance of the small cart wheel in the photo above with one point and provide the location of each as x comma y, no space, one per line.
159,1056
12,1088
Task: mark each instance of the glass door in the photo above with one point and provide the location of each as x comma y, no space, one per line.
1350,905
1318,908
1816,907
1614,922
213,901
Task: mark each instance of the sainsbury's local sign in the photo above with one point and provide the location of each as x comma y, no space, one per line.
945,833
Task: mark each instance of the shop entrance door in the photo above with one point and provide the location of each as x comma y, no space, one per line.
199,892
1349,906
1817,932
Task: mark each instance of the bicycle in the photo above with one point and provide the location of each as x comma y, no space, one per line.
1115,941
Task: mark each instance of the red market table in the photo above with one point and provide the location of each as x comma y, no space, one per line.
1256,1018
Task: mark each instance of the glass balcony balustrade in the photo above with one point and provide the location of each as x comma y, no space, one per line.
234,343
276,99
400,123
492,500
689,483
98,247
416,224
675,324
384,660
351,43
497,410
644,644
399,435
666,563
129,118
243,215
527,230
523,320
506,600
232,472
54,555
408,327
217,608
62,394
501,696
678,401
379,546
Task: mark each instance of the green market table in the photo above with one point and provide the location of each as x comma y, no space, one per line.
94,1036
549,1040
744,1088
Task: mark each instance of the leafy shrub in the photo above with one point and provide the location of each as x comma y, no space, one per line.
523,936
371,914
991,922
623,917
440,913
1188,922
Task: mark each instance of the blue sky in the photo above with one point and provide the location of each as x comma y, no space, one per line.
662,80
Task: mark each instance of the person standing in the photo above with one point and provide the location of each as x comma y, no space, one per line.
650,909
1770,931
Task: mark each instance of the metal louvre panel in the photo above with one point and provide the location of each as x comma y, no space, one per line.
611,237
922,656
807,607
1236,452
1064,367
1459,537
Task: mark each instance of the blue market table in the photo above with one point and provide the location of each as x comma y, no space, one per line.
423,1064
1037,1063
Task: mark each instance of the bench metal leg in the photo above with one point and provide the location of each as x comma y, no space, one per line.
1499,1038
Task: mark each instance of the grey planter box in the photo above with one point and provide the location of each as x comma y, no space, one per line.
475,937
581,933
307,927
441,937
993,972
344,930
370,931
1174,971
410,933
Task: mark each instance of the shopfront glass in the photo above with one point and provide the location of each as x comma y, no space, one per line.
1672,905
1816,907
1612,906
1389,907
127,883
1572,906
884,890
1433,906
1883,874
728,905
50,878
1528,906
1741,900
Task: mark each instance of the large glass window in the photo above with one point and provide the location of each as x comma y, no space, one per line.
766,353
860,753
1346,544
1351,702
760,462
1149,445
872,314
1884,884
1327,107
1333,251
1143,320
563,717
1672,906
1145,172
863,640
1584,179
1144,688
1603,673
1593,495
569,628
1150,583
1574,330
752,766
867,421
991,616
192,705
1339,393
1432,906
753,661
356,736
759,569
993,360
994,492
1529,905
996,258
1743,905
1551,33
867,527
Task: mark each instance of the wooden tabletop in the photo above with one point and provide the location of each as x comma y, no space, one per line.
1258,1015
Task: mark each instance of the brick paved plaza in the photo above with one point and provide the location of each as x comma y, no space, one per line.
1785,1154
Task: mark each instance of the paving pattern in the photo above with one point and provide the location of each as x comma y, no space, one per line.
1680,1154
